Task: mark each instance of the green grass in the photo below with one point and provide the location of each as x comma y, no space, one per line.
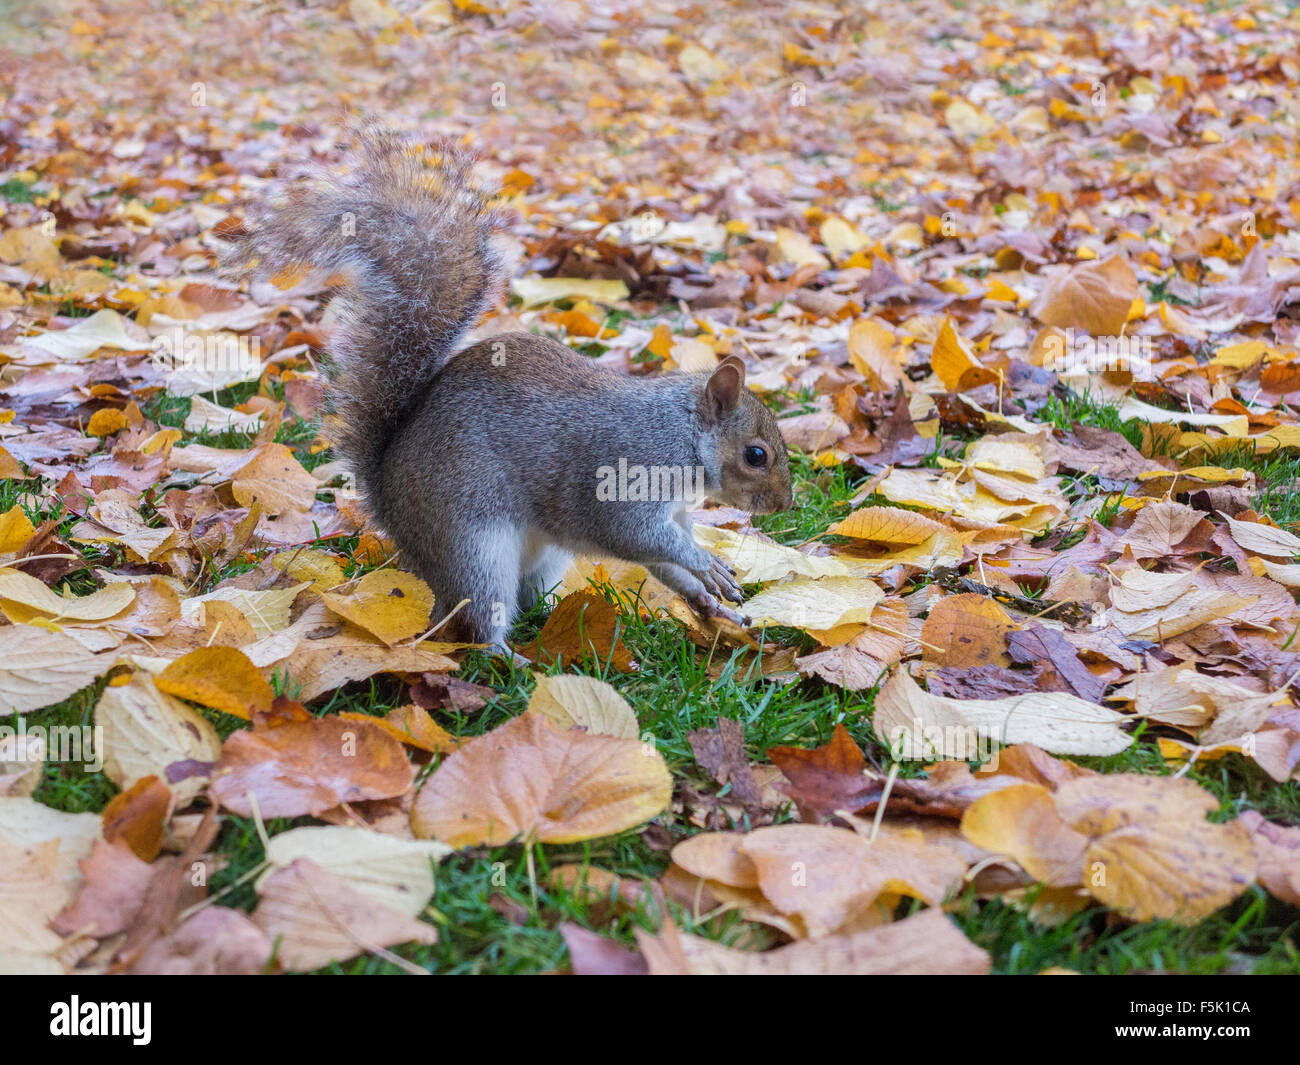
1066,409
1252,935
1276,475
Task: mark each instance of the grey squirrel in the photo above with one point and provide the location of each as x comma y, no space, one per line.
489,466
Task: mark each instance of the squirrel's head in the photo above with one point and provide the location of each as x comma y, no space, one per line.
753,463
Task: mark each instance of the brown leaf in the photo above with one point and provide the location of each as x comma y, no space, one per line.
315,918
825,779
113,894
983,682
971,629
1038,643
594,955
832,878
926,943
216,941
1277,849
442,691
1095,296
525,779
1024,761
859,663
581,624
138,817
308,767
721,751
274,478
172,889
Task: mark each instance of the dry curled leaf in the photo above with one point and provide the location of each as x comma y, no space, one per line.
527,780
389,604
583,702
915,724
220,677
308,767
582,625
316,917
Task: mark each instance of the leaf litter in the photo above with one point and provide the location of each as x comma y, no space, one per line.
1027,318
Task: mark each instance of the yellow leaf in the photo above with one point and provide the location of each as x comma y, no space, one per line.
1240,356
584,702
890,525
840,238
1155,855
796,248
220,677
322,569
274,478
23,597
808,603
759,560
267,610
106,422
874,352
965,120
535,290
389,604
954,365
15,529
1021,821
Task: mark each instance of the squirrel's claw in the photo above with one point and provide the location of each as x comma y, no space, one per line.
724,581
501,649
709,606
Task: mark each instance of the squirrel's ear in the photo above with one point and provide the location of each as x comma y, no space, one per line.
725,383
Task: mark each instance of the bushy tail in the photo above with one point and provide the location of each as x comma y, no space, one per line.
414,240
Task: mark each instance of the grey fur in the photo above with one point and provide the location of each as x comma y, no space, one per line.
484,467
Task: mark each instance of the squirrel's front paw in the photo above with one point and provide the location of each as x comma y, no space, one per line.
719,579
709,606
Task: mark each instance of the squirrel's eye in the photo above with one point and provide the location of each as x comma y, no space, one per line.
756,457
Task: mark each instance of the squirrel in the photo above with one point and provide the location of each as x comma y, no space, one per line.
491,466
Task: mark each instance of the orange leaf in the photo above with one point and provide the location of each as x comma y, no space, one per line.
220,677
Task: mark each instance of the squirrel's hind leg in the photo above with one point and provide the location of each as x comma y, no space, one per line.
483,567
544,566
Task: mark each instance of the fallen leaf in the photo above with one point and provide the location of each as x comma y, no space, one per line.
39,668
215,941
1093,296
525,779
388,603
220,677
25,599
138,817
308,767
315,917
583,702
917,725
147,730
926,943
396,873
582,624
